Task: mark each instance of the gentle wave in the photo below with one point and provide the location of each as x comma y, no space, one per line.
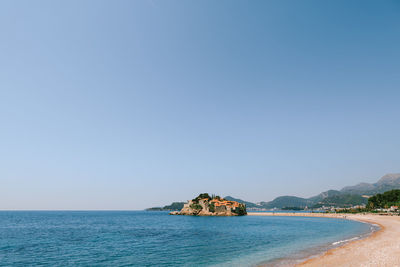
346,240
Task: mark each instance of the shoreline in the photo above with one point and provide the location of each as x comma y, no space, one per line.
377,249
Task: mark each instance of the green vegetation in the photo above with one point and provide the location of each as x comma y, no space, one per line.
211,207
196,206
385,200
213,196
201,196
353,211
173,206
241,210
155,209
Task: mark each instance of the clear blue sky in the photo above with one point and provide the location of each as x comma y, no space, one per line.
131,104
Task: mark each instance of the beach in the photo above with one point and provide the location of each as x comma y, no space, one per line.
382,248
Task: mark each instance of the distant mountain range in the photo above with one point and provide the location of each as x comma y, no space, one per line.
347,196
386,183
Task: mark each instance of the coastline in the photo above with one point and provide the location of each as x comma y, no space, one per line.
378,249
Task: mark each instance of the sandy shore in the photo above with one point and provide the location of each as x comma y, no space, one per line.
382,248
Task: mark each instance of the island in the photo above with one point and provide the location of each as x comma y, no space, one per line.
204,205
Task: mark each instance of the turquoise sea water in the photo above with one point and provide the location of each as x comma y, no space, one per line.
140,238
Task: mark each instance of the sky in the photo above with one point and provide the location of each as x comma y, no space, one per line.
131,104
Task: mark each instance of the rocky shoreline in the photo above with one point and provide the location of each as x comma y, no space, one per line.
204,205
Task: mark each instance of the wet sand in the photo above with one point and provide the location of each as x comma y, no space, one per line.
382,248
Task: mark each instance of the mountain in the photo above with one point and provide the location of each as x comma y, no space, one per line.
388,182
298,202
324,195
279,202
347,196
359,188
247,203
344,200
287,201
390,179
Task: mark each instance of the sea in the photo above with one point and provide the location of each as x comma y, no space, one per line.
154,238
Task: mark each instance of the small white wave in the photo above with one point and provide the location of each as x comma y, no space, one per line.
345,241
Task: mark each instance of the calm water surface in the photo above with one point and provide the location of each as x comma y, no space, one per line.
139,238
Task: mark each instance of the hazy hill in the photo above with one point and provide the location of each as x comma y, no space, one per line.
174,206
279,202
324,195
287,201
386,183
248,204
344,200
